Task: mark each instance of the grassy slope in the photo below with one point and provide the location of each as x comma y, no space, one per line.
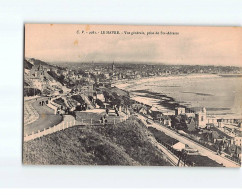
162,137
125,143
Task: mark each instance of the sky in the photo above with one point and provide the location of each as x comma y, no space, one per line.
189,46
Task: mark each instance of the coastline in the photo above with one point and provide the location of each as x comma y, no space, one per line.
126,84
161,101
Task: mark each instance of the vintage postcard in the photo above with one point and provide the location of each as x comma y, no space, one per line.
132,95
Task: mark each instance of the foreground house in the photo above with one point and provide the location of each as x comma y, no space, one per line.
87,89
179,146
237,141
143,111
191,124
157,115
179,111
166,120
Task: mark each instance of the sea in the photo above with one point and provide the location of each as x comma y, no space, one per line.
218,94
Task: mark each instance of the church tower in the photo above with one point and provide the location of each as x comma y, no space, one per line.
113,68
201,118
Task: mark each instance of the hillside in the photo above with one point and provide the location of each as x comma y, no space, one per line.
126,143
27,65
38,78
37,62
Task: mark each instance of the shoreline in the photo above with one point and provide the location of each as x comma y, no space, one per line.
163,102
128,83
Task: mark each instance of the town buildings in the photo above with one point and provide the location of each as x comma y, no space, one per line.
201,118
180,110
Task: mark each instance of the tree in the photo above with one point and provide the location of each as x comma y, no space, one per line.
115,95
100,103
90,98
106,95
31,92
79,108
78,98
116,102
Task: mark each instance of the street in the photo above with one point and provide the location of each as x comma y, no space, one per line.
46,119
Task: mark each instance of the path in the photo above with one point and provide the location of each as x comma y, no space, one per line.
88,102
68,121
46,119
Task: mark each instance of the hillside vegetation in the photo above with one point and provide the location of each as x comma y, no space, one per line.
126,143
27,65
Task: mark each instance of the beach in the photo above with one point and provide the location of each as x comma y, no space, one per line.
220,95
127,84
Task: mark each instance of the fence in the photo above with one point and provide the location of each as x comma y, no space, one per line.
66,124
27,98
51,104
30,114
59,127
94,122
53,107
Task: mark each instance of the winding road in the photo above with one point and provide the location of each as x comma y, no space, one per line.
47,117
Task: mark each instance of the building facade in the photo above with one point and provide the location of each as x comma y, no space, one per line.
201,118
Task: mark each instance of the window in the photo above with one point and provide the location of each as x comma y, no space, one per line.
201,118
